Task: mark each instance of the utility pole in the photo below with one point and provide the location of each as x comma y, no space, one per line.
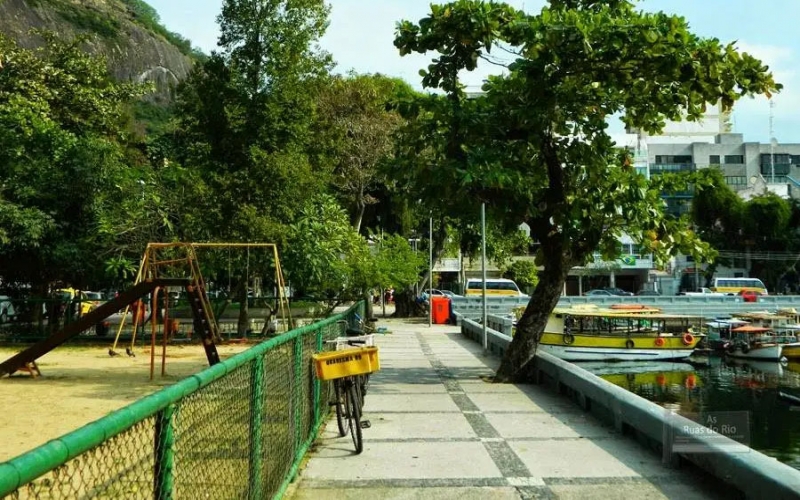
430,272
772,142
483,274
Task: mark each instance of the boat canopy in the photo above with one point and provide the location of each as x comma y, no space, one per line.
750,329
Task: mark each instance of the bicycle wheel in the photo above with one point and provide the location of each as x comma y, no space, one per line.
339,395
354,415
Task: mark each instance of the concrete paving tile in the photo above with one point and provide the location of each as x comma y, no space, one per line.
609,492
543,425
461,362
383,386
376,403
479,385
389,493
400,461
416,361
499,402
418,426
584,458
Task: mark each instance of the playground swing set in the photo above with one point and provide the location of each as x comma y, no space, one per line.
156,275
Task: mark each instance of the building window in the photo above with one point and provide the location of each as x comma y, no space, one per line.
736,180
713,160
782,159
780,169
734,159
795,159
673,160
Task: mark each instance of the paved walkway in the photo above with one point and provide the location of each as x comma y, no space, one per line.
439,431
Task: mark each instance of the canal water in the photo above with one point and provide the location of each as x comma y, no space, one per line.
721,385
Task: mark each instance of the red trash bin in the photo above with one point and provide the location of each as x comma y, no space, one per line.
441,309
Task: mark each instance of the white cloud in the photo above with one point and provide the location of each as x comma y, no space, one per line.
751,116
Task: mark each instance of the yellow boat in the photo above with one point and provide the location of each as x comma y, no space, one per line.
791,350
635,374
611,334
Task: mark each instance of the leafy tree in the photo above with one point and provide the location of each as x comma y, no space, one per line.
524,273
736,228
398,265
328,260
356,127
245,121
320,245
63,162
534,145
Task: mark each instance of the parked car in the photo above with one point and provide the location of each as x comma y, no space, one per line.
598,292
83,301
749,295
7,311
619,291
648,293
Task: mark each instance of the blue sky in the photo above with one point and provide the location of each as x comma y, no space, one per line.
361,33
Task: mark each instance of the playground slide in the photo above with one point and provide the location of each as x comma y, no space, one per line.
90,319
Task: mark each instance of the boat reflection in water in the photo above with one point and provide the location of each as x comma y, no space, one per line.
660,382
722,385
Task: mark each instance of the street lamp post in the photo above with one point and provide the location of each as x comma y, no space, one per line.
483,274
430,273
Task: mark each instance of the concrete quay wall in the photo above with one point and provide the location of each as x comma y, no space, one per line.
753,473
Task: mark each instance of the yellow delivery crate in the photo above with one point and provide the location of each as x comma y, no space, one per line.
346,363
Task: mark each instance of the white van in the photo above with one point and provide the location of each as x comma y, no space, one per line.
495,287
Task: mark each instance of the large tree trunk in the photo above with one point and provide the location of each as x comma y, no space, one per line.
368,310
405,304
515,365
359,215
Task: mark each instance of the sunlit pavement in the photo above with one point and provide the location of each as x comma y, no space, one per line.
440,431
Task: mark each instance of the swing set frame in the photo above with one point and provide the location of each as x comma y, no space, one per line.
152,266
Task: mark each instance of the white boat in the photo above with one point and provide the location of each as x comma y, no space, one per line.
604,368
754,342
614,354
718,332
769,367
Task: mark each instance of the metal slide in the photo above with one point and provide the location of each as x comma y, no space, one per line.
203,322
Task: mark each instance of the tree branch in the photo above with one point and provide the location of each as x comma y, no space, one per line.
487,59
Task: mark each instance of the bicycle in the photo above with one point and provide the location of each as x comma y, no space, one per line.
349,367
364,327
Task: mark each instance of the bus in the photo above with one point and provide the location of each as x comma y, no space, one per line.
494,287
736,285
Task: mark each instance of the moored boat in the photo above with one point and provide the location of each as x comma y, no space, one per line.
718,332
596,334
791,350
754,342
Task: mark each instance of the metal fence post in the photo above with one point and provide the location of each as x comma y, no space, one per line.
256,427
298,373
317,385
164,460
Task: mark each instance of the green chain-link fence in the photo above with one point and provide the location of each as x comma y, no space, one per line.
235,430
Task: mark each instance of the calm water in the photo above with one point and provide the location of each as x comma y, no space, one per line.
722,385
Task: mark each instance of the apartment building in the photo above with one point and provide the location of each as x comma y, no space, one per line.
743,164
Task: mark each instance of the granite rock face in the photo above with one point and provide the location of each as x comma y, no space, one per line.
134,52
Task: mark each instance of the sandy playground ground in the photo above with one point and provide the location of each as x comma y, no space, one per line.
80,384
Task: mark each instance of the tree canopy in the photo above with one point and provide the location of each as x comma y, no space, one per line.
534,145
63,161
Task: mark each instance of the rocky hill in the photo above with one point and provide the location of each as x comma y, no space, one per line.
127,32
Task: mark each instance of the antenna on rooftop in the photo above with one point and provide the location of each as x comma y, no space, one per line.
772,142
